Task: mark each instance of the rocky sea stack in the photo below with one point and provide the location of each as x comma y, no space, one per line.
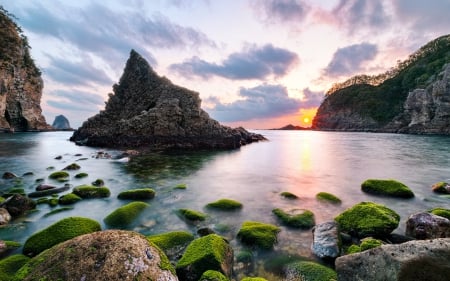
147,110
61,123
20,81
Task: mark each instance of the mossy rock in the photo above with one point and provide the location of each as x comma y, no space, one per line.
59,175
191,215
328,197
368,219
137,194
72,167
244,256
225,204
68,199
442,212
173,242
258,234
58,232
386,188
297,218
353,249
53,202
369,243
211,252
310,271
98,182
89,191
125,215
12,244
213,275
180,186
253,279
57,211
288,195
10,265
2,199
441,187
81,175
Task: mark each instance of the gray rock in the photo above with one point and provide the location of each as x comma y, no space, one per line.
420,260
8,175
61,123
18,204
427,226
326,241
5,217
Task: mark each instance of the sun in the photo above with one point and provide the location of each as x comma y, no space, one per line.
306,120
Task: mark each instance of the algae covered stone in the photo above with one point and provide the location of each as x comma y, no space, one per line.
137,194
442,212
310,271
89,191
172,243
125,215
58,232
386,188
81,175
211,252
369,243
258,234
10,265
72,167
191,215
368,219
297,218
225,204
441,187
69,199
288,195
328,197
213,275
59,175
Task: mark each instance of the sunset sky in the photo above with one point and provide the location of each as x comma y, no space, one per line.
256,63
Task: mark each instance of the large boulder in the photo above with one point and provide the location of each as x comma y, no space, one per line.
427,226
326,240
147,110
419,260
103,255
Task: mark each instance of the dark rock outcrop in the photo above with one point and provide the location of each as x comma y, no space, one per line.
147,110
61,123
20,81
427,226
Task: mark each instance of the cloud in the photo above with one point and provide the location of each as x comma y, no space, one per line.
253,63
350,59
75,100
281,10
263,101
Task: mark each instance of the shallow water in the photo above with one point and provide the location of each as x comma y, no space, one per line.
301,162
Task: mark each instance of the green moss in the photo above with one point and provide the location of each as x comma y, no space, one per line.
59,210
205,253
441,187
72,167
58,232
12,244
325,196
164,262
53,202
225,204
245,256
288,195
68,199
180,186
353,249
297,218
258,234
170,240
89,191
10,265
253,279
125,215
387,188
192,215
137,194
369,243
43,200
2,199
49,168
441,212
98,182
311,271
59,175
213,275
368,219
81,175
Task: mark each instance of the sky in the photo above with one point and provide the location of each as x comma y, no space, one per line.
259,64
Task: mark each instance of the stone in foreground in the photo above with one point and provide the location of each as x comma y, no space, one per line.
326,241
147,110
427,226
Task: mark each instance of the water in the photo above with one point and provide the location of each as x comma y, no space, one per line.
301,162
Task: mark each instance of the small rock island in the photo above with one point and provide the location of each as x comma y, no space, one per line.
149,111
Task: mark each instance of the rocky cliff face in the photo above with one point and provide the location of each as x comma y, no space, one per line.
61,123
148,110
20,81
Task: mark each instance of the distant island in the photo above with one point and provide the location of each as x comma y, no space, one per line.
61,123
291,127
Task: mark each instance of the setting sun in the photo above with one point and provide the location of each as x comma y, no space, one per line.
306,120
306,116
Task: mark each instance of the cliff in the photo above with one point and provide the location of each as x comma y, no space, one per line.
413,97
61,123
20,81
149,111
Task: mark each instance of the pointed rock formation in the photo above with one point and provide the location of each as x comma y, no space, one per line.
147,110
20,81
61,123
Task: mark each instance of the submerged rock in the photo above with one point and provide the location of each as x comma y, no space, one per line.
427,226
18,204
258,234
326,241
147,110
309,271
391,188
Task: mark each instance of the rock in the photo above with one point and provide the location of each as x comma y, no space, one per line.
368,219
59,175
391,188
212,275
441,187
72,167
44,186
18,204
137,194
149,111
172,243
326,240
81,175
203,231
309,271
328,197
427,226
9,175
102,255
61,123
89,191
288,195
5,217
297,218
98,182
47,192
442,212
258,234
125,215
225,205
10,265
253,279
191,215
59,157
211,252
68,199
370,243
58,232
419,260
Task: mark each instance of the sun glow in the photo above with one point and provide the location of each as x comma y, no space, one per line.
306,116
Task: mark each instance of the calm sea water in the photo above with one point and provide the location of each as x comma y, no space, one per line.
301,162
